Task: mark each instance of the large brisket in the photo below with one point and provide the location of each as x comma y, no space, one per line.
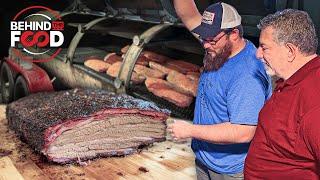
182,66
82,124
112,58
148,72
182,83
159,67
114,69
97,65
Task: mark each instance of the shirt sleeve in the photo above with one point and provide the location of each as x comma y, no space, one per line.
311,127
245,98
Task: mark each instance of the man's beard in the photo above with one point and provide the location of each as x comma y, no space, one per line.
269,70
214,63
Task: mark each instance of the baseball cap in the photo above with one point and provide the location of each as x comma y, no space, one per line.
216,18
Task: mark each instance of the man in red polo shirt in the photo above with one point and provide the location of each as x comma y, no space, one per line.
287,139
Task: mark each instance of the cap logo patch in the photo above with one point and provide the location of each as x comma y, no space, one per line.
208,17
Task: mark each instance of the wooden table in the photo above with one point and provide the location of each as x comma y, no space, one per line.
166,160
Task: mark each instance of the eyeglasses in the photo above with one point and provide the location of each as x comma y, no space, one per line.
214,42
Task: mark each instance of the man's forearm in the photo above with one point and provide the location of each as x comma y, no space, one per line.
224,133
188,13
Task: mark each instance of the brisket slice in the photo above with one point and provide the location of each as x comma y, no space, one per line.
182,83
164,89
97,65
83,124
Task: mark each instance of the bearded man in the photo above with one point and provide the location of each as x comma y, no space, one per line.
232,89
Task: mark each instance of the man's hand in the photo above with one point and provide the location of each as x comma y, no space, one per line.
180,130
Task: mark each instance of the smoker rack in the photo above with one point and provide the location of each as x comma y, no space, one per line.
136,90
140,91
146,33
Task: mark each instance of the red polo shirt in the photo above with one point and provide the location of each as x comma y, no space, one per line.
287,139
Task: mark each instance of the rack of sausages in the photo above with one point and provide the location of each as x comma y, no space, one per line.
173,80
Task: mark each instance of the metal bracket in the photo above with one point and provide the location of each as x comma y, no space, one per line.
76,39
133,53
117,83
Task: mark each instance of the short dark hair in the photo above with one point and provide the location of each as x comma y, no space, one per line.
292,26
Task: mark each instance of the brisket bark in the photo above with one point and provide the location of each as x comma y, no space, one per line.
83,124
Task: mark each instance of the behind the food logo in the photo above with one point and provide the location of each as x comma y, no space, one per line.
37,33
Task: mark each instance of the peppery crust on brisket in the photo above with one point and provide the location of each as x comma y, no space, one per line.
34,117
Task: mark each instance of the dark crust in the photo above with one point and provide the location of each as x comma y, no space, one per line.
31,116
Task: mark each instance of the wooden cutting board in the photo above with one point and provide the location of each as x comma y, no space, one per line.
166,160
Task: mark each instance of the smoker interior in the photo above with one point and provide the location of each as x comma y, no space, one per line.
175,42
113,34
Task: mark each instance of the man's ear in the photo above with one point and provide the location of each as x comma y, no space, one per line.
235,34
292,51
